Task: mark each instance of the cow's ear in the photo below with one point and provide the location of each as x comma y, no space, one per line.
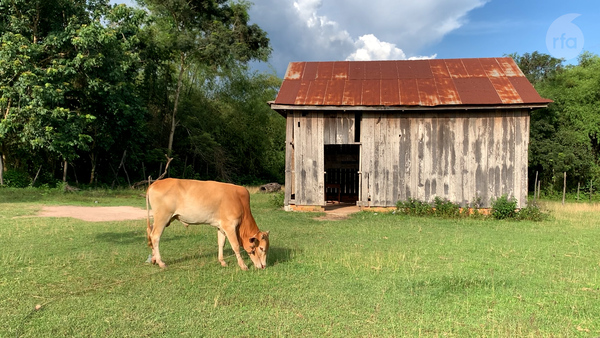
264,235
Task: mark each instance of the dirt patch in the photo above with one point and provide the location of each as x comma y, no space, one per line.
94,214
338,212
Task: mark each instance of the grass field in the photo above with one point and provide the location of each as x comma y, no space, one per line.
371,275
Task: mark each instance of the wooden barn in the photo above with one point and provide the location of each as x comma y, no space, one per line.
376,132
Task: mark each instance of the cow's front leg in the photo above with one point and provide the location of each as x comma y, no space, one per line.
235,245
222,237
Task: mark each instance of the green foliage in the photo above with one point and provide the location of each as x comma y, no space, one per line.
504,207
565,137
15,178
277,199
446,209
532,212
414,207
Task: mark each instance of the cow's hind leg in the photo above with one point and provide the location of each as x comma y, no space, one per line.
230,231
161,220
222,237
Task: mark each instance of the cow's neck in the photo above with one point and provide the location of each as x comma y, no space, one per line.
247,230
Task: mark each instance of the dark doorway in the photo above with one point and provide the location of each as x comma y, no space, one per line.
341,173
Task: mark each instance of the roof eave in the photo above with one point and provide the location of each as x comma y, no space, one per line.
283,108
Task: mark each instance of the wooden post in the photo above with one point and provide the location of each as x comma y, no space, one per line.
564,187
539,188
591,183
578,185
535,185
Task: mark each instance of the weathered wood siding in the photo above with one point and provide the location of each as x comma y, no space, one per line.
305,173
339,128
461,156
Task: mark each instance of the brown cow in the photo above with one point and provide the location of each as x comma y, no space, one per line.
225,206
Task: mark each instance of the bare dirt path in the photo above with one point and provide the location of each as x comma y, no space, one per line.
124,213
94,214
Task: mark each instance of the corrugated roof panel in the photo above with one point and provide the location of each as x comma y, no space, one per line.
288,92
352,93
316,93
310,71
526,90
438,68
389,71
413,69
477,90
324,70
428,94
371,93
340,70
409,92
356,70
492,68
373,70
390,95
484,81
302,93
447,91
295,71
510,67
474,68
508,94
335,93
456,68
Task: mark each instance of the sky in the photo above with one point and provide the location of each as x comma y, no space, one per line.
338,30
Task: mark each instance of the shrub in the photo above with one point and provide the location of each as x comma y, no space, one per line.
277,199
504,207
445,208
414,207
532,212
16,178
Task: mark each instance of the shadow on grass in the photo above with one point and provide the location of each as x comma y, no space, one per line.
275,256
130,237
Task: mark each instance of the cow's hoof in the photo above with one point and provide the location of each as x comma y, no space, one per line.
162,265
223,263
244,267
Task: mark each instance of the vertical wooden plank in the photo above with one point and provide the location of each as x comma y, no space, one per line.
392,154
320,159
367,130
289,159
376,177
471,192
403,157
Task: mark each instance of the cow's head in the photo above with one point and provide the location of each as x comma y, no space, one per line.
259,245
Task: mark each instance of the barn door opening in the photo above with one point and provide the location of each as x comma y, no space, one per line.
341,173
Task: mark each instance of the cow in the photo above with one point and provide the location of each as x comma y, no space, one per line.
225,206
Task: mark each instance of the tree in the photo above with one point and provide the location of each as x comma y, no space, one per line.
66,76
215,33
538,67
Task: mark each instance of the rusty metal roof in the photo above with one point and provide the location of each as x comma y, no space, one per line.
408,83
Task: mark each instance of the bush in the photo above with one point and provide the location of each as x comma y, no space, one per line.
277,199
532,212
445,208
504,207
414,207
17,179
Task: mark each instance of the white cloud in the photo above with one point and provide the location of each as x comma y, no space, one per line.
332,30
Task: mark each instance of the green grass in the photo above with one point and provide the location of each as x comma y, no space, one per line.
372,275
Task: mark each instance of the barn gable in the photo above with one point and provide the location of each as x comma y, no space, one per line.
375,132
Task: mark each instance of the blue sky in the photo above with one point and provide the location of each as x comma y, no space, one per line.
335,30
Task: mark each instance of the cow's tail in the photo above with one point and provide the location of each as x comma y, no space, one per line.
149,227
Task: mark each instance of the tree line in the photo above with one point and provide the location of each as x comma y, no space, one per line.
100,94
565,137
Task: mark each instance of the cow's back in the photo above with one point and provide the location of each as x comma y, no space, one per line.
197,202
